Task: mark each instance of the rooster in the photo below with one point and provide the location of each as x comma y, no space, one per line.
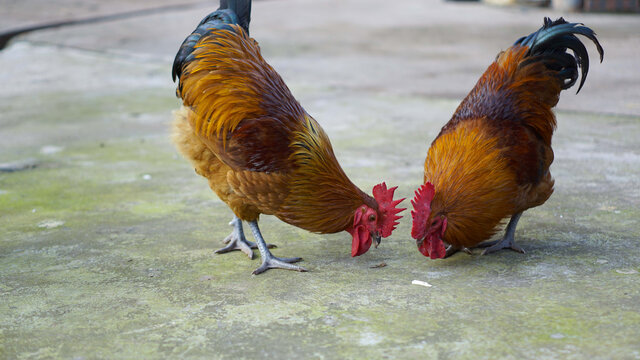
491,160
241,128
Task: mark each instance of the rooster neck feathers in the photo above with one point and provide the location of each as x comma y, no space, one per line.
229,81
319,185
230,12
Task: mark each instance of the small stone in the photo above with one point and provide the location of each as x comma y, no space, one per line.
602,261
557,336
33,210
50,224
146,177
206,278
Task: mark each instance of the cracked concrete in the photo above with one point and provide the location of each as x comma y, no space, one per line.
107,242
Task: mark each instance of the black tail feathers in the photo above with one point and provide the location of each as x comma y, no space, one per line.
242,9
229,12
550,43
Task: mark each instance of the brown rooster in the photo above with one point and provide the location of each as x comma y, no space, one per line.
262,153
491,160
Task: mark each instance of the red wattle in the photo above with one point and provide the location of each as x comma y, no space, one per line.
432,247
437,250
361,241
424,248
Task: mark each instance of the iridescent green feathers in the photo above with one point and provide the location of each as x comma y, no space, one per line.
550,43
230,12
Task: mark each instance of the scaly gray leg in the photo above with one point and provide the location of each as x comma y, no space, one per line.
507,242
268,260
237,241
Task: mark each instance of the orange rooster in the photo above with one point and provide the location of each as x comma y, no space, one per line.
491,160
262,153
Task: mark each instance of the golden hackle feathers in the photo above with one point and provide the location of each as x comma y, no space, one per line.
509,91
229,81
472,181
319,185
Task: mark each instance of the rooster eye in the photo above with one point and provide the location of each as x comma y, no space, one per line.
372,218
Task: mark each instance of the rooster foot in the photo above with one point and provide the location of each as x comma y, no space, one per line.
237,241
507,242
273,262
268,260
504,243
454,249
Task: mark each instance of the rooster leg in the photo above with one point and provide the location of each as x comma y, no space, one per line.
507,242
268,260
454,249
237,241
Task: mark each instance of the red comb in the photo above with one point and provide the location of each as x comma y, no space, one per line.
421,210
387,208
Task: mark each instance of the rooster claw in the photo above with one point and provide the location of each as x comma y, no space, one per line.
499,245
236,243
507,242
244,246
268,260
279,263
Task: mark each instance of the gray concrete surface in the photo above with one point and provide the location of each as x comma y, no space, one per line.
107,236
17,14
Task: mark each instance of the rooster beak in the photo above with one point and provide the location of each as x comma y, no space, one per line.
376,237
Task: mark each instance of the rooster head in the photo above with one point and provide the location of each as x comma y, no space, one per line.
427,230
370,224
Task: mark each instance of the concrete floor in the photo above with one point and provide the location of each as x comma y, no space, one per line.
106,249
